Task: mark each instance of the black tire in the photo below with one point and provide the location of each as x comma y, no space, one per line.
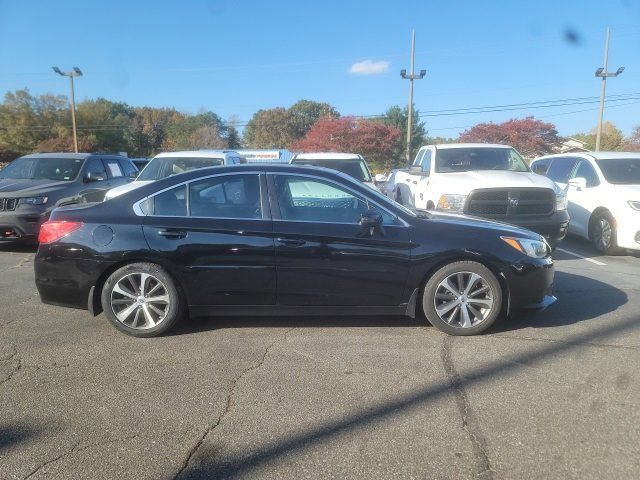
603,234
493,293
399,197
173,311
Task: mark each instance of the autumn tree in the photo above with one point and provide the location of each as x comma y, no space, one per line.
305,113
529,136
611,139
632,142
195,130
397,117
372,139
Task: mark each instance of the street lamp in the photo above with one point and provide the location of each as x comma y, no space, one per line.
602,73
411,77
73,73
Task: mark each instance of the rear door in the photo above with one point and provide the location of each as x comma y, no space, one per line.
323,256
217,232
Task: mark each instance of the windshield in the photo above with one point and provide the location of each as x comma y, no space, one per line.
164,167
62,169
466,159
621,171
354,167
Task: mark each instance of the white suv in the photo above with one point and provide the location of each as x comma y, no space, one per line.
603,193
352,164
166,164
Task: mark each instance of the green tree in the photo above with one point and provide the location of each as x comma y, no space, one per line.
612,138
397,117
268,129
106,121
195,131
305,113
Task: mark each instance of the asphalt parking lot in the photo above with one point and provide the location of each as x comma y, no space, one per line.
548,395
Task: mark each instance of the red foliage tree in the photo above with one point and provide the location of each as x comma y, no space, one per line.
373,140
529,136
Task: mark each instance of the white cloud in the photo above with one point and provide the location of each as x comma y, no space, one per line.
369,67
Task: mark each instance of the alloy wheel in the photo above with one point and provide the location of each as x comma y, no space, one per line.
140,300
603,234
463,299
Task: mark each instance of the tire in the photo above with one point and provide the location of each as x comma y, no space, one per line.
444,300
132,312
603,234
399,197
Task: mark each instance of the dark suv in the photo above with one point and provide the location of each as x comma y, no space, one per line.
31,186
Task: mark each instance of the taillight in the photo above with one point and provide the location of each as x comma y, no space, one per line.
56,229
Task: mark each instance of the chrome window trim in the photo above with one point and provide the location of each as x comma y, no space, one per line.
137,209
356,194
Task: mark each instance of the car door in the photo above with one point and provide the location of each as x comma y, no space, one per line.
323,256
560,171
581,202
217,232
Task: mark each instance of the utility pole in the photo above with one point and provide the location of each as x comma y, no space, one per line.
411,77
602,73
73,73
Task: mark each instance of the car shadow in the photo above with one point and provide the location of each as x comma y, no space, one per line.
18,247
572,306
580,299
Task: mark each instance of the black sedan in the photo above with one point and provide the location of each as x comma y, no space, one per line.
281,240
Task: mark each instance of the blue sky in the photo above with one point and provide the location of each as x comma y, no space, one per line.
234,57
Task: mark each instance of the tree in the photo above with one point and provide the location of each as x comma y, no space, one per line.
188,131
206,136
233,136
372,139
305,113
612,138
529,136
397,117
632,143
269,129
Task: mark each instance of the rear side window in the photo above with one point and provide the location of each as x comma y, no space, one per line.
172,203
127,167
561,168
227,196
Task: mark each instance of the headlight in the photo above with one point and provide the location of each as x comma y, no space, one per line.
33,201
531,248
451,203
634,204
561,202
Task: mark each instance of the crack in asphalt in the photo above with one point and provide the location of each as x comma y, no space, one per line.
229,403
17,366
484,470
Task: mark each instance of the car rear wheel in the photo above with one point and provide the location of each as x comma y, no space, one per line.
603,234
141,299
462,298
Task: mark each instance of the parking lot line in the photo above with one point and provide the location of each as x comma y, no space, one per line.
580,256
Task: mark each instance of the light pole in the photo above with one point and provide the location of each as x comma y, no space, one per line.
602,73
73,73
411,77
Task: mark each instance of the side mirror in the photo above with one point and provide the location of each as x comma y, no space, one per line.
89,177
579,183
417,170
380,178
370,219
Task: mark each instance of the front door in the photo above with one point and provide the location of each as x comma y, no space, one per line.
324,257
217,232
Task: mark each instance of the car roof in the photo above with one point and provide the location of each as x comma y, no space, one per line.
326,156
198,154
443,146
593,155
79,156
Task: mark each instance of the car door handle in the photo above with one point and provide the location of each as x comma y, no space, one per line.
171,233
291,242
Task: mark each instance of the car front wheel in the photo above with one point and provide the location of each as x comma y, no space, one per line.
462,298
603,234
141,299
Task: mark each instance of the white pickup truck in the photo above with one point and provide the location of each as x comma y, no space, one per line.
482,180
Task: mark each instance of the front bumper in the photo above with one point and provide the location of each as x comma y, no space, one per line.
553,228
530,282
22,223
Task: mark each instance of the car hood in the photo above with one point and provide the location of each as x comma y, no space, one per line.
462,183
115,192
372,185
29,188
475,222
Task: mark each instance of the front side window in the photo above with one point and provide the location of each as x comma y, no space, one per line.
586,171
560,169
163,167
314,200
95,167
426,162
621,171
61,169
479,158
227,196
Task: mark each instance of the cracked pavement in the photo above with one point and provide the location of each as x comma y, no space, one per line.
548,395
